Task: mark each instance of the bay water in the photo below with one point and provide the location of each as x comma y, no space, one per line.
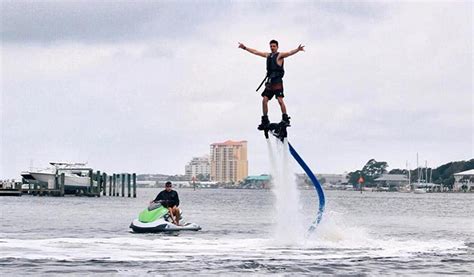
371,233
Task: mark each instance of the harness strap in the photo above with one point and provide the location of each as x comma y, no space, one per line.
266,77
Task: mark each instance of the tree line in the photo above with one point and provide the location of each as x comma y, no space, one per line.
443,174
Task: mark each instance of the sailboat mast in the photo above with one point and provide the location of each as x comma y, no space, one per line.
417,169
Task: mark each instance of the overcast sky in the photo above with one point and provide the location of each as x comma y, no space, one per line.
143,86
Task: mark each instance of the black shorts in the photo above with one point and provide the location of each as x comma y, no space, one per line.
275,89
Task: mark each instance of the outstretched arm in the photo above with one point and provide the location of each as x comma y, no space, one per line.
292,52
253,51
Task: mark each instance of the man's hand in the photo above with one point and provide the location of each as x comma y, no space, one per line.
292,52
253,51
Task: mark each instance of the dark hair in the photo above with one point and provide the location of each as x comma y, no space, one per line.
274,41
168,183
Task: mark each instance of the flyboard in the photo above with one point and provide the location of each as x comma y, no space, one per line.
279,130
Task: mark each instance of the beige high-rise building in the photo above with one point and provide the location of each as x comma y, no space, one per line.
229,161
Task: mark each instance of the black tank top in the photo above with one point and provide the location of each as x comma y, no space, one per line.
275,72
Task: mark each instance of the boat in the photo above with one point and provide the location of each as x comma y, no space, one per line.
76,176
419,191
420,187
156,218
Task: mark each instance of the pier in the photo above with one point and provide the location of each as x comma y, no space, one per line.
10,188
100,183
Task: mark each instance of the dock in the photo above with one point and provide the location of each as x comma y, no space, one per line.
100,184
10,188
10,192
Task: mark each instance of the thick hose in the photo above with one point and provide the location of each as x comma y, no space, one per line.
316,184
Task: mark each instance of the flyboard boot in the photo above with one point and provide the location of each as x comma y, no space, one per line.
285,119
265,123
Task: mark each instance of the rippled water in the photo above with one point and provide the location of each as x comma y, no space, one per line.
369,233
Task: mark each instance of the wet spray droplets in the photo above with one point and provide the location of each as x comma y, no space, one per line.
289,226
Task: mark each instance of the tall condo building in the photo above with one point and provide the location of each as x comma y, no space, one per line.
229,161
197,166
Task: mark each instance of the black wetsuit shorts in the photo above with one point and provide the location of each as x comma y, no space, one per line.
273,89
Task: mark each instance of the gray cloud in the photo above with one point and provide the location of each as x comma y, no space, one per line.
113,21
99,21
376,81
354,8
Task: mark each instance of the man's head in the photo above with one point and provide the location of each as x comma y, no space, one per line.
168,186
273,46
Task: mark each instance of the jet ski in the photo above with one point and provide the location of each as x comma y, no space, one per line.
156,218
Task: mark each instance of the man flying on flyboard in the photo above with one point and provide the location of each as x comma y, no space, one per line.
274,87
273,80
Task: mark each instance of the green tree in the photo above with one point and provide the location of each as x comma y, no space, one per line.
353,177
371,171
398,171
203,177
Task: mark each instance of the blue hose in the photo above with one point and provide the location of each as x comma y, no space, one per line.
316,184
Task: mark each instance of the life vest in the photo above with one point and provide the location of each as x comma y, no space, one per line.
275,72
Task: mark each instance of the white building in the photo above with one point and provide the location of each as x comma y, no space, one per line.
393,182
197,166
465,178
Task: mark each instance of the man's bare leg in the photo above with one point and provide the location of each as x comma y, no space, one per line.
284,115
282,104
265,121
177,214
265,105
170,211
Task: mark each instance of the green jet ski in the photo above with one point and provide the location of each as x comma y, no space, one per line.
156,218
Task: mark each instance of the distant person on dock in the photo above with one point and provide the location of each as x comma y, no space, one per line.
170,199
273,80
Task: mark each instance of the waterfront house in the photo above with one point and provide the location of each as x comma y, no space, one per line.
464,181
392,182
256,182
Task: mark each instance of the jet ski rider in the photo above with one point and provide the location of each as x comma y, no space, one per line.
169,198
